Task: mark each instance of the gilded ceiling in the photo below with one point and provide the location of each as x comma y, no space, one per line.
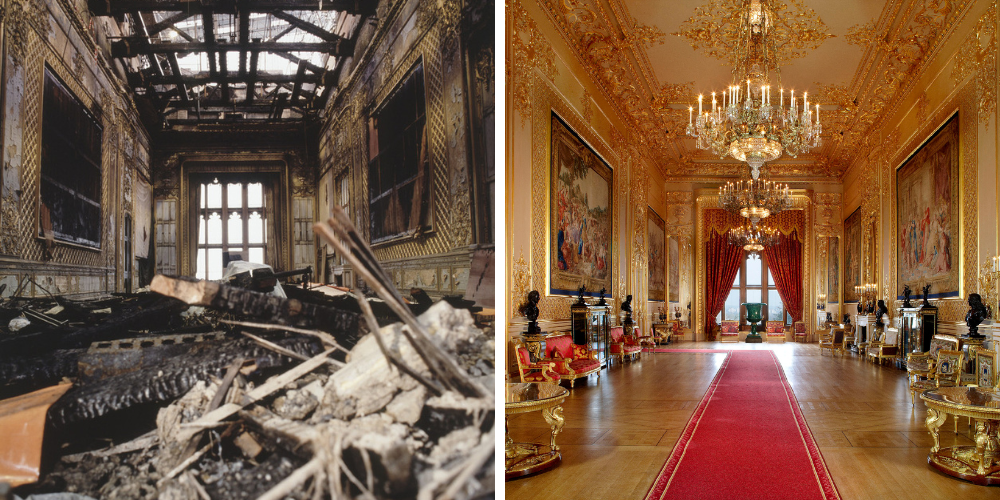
852,56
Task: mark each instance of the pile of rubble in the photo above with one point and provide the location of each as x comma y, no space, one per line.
205,390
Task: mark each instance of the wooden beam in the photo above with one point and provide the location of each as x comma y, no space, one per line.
297,89
252,78
206,78
306,26
224,73
310,66
176,69
132,47
208,26
244,39
117,7
156,28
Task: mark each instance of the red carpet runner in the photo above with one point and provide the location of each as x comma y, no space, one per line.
746,439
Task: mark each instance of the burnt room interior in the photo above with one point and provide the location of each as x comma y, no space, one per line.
247,249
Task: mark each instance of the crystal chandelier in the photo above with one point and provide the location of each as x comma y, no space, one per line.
754,198
745,124
753,238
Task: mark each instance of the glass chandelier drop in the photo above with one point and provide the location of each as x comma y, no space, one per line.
744,123
753,238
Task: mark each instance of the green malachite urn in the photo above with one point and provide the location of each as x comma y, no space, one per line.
753,317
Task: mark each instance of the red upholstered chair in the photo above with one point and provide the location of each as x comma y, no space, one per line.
622,345
730,331
775,331
542,371
799,328
639,340
572,361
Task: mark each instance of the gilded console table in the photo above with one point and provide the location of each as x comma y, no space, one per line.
979,464
522,459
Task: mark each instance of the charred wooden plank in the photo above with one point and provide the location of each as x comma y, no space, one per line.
169,379
345,326
34,344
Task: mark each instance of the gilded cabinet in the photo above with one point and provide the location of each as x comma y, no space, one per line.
591,328
917,327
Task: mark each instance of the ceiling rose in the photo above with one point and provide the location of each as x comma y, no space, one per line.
715,29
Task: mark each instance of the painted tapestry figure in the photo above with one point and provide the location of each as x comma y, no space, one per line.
581,217
927,187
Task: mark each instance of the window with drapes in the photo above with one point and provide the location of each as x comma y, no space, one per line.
754,283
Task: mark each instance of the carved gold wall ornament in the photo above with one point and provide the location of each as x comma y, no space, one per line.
530,52
714,29
977,57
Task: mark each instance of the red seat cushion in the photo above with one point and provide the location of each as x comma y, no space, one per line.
582,365
616,348
630,349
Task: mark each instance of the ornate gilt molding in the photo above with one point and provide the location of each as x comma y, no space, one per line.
713,29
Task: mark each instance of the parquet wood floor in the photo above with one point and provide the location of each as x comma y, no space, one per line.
620,430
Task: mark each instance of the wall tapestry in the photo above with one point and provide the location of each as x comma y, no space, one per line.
927,184
852,256
656,233
580,219
833,269
675,269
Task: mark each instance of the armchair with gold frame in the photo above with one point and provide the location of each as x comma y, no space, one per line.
775,331
540,371
730,331
887,347
986,368
947,372
921,365
834,342
799,331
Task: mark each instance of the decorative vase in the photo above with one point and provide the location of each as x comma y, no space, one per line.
753,317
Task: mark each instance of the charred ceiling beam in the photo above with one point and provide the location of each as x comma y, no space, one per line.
252,76
244,39
279,106
183,34
175,68
204,79
297,89
224,73
170,21
116,7
306,26
310,66
134,46
208,23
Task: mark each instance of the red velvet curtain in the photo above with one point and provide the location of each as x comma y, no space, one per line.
785,262
722,263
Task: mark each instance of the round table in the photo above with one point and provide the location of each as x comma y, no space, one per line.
528,458
979,463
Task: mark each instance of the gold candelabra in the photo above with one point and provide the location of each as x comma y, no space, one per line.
989,279
868,293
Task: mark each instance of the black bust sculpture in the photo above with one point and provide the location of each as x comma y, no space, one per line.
627,309
861,306
530,310
906,296
602,302
871,306
583,288
977,313
627,305
880,313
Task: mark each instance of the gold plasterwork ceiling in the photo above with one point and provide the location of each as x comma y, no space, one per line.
855,57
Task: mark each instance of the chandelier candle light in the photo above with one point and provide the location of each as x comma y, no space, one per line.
753,238
746,124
